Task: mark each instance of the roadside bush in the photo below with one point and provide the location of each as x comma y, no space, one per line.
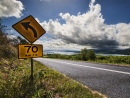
113,59
83,53
7,51
99,57
91,55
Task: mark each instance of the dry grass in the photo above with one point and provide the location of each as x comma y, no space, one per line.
47,83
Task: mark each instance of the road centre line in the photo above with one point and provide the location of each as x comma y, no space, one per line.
115,71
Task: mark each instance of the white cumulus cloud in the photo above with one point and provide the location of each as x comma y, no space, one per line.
89,29
9,8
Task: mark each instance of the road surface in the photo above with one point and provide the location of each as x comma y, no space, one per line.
113,81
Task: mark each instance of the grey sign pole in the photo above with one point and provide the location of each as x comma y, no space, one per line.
31,69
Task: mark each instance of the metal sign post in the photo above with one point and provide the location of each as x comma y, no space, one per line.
30,51
31,69
31,30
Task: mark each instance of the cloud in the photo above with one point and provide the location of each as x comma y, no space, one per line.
58,45
11,37
9,8
89,29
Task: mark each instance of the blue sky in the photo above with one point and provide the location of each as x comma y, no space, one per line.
73,24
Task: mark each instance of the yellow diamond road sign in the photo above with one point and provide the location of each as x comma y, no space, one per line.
29,51
29,28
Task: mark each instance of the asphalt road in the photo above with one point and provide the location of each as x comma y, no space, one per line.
113,81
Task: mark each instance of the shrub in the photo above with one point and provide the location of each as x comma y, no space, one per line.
91,55
84,54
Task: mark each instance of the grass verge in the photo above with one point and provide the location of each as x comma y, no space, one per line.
15,82
113,60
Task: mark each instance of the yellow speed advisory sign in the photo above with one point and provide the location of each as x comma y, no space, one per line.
30,51
29,28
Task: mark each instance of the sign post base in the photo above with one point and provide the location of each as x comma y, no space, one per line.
31,69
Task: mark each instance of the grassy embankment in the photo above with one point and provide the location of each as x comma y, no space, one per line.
15,76
118,60
15,82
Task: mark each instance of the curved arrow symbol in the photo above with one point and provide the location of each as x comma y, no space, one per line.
26,26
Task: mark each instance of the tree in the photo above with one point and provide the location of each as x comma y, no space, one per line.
3,35
6,50
84,54
87,54
91,55
18,40
21,40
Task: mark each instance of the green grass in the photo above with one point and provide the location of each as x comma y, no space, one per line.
15,82
116,60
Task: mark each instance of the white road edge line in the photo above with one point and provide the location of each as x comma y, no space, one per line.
92,67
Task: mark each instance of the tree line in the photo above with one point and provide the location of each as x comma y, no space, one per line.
90,55
84,55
